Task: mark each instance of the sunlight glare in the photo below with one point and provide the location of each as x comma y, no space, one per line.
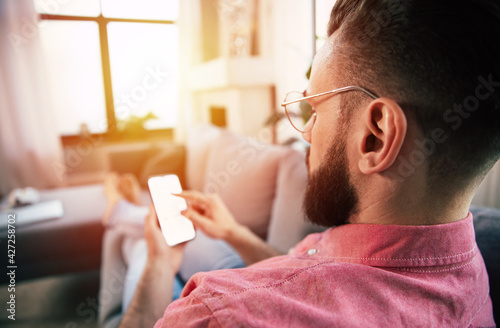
144,9
72,56
144,63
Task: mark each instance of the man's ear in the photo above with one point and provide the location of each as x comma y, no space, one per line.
383,133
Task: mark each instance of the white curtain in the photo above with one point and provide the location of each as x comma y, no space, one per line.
488,193
30,148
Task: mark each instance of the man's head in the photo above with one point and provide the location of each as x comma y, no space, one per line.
436,127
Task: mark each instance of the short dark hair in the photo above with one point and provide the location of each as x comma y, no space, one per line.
440,60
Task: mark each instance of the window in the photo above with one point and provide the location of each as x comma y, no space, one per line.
111,63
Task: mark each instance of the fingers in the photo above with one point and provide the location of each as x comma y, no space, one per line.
192,215
217,199
198,220
193,195
198,197
151,218
195,199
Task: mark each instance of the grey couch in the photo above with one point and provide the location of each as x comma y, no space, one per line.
487,227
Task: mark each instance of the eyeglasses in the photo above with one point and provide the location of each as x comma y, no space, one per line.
300,113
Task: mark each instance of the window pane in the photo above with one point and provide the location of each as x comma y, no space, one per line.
144,9
144,64
68,7
73,61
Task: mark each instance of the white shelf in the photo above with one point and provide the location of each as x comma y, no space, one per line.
231,73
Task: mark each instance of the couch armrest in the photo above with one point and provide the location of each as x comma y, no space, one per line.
68,244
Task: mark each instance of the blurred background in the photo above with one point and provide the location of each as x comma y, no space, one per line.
84,79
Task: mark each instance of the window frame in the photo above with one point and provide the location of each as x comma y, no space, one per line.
111,135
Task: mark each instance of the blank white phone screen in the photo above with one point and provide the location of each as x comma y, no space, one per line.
175,227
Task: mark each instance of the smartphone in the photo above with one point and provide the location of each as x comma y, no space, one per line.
175,228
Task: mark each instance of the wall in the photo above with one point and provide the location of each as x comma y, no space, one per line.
285,52
488,193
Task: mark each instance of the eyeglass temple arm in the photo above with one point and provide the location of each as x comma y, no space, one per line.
340,90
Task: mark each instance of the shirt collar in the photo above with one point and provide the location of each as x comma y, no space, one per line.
400,246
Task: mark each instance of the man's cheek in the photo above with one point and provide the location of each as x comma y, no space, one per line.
312,160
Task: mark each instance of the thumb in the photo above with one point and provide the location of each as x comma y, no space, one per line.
152,219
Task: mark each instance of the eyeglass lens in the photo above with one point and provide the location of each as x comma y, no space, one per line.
299,113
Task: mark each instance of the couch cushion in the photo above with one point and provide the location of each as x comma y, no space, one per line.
288,225
243,172
198,145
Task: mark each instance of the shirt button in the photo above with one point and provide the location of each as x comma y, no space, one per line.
312,251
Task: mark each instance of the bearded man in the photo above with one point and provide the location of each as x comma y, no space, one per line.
404,126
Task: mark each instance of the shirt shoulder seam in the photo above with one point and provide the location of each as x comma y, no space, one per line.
480,309
435,271
406,259
290,278
208,307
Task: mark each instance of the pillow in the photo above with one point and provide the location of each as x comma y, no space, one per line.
243,172
198,145
288,225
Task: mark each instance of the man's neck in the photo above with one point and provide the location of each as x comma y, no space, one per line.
397,209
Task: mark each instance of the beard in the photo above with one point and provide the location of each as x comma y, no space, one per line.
330,197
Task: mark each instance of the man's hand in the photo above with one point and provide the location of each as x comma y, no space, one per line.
210,214
158,250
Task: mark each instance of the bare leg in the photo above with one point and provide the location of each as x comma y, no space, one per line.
129,187
123,195
112,194
123,199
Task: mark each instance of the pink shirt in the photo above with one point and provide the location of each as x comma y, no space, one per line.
355,275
